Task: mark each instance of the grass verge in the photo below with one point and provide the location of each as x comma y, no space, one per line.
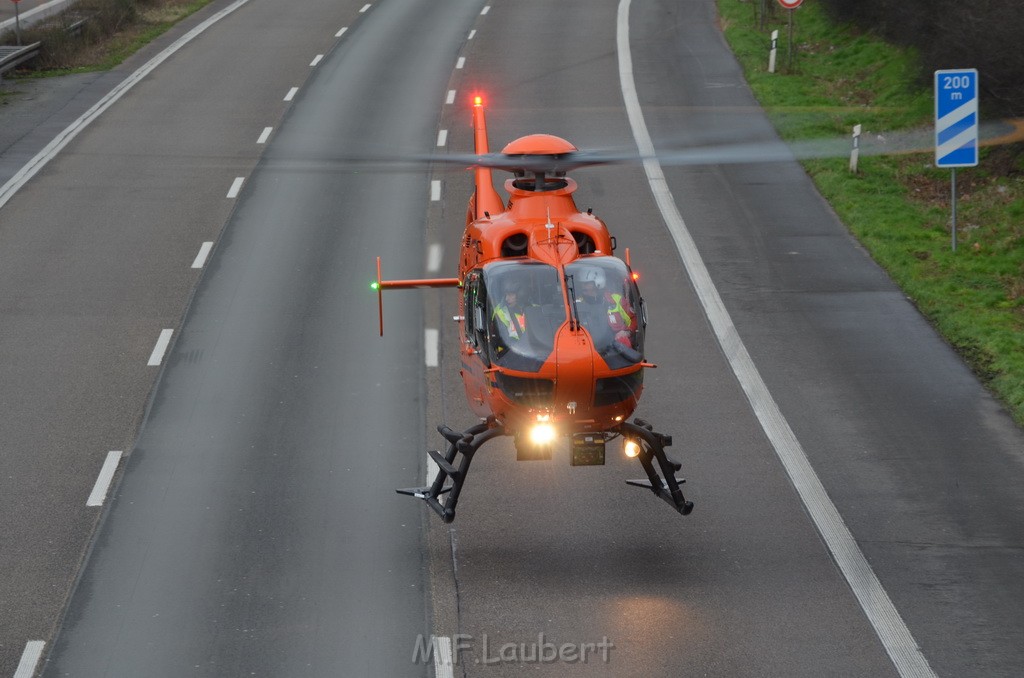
113,31
898,206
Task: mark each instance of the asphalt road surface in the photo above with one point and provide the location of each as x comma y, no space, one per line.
255,530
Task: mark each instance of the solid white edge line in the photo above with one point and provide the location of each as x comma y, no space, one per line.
443,664
44,156
430,339
435,190
291,94
12,23
264,135
34,652
878,607
236,187
461,62
451,97
204,251
99,490
442,137
341,32
317,59
434,254
157,356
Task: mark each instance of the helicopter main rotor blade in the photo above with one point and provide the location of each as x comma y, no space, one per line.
896,143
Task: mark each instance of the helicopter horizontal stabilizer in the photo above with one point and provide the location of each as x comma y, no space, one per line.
380,285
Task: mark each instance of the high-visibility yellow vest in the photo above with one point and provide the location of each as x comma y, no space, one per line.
502,314
618,309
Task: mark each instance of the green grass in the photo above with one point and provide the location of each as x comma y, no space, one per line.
898,206
106,52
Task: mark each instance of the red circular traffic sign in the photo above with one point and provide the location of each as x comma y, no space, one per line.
790,4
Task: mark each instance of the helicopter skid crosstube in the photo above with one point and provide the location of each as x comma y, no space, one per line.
652,448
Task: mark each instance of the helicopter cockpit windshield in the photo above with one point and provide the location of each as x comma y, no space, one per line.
608,305
525,308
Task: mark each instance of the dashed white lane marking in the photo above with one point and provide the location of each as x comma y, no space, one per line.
873,599
157,356
485,10
461,62
34,651
471,34
435,190
32,167
99,490
434,253
443,665
341,32
265,135
291,94
317,59
451,97
430,338
442,137
236,187
204,251
365,7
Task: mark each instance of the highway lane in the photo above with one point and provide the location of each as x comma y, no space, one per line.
925,467
96,257
256,530
887,413
740,587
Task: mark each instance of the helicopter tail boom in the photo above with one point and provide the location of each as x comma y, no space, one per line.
486,199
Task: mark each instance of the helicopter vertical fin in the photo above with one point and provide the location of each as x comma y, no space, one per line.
487,199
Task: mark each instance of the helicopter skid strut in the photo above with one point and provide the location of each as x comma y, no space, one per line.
652,448
442,496
466,444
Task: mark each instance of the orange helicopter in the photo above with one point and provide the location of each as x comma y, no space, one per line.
551,325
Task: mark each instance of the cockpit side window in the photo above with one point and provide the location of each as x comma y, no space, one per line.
474,313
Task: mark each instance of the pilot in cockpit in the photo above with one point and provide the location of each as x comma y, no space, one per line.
613,305
509,314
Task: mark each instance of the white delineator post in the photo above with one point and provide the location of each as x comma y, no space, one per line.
855,153
771,53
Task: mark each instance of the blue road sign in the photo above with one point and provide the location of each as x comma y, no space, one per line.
956,118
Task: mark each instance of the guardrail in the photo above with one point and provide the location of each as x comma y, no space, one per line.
12,56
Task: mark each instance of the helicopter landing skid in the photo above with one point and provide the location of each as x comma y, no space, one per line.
466,444
652,447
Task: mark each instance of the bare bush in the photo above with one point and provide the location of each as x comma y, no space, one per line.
982,34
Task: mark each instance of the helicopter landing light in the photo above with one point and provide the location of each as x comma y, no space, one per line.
542,433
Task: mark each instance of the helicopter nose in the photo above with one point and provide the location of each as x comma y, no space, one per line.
574,374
